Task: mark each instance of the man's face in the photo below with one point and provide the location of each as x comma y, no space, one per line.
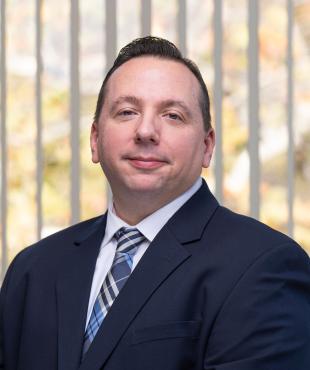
150,138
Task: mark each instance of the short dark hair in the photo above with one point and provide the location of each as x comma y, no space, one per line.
164,49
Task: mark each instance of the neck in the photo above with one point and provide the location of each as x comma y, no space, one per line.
136,210
133,206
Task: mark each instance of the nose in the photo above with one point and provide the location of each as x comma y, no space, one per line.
147,130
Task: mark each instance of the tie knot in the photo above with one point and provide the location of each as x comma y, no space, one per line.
128,238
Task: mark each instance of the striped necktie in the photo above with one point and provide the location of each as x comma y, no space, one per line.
128,240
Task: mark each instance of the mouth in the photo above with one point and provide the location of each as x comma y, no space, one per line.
146,163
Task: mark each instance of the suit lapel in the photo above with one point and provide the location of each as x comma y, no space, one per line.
164,255
73,289
189,223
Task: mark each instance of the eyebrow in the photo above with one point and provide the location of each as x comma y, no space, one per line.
179,103
168,103
125,99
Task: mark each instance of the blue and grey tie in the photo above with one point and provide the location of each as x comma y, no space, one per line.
128,240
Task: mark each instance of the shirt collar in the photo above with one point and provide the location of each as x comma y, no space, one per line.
152,224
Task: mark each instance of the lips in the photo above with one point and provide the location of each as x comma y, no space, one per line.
147,163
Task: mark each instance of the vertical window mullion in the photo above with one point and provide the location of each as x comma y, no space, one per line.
75,111
110,32
38,99
146,17
4,194
290,110
181,26
218,97
253,109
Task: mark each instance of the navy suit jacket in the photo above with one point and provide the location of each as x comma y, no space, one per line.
214,291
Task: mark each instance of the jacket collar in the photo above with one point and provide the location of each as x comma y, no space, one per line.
200,207
97,225
190,221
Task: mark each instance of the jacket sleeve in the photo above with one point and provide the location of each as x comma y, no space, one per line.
265,321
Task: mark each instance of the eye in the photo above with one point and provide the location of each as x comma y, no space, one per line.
174,116
126,113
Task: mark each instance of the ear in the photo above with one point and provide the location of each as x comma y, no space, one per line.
94,138
209,142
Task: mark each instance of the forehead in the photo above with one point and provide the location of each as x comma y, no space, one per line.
154,78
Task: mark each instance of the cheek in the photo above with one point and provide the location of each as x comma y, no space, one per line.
112,144
114,136
107,140
187,147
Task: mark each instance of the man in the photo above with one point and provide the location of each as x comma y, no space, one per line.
167,279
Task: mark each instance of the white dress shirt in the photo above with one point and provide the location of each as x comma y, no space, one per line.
149,227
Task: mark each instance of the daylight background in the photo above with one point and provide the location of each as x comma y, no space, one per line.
19,110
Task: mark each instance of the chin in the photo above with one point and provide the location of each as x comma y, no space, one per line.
145,188
145,185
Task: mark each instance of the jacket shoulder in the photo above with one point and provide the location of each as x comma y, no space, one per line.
244,227
52,248
243,236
